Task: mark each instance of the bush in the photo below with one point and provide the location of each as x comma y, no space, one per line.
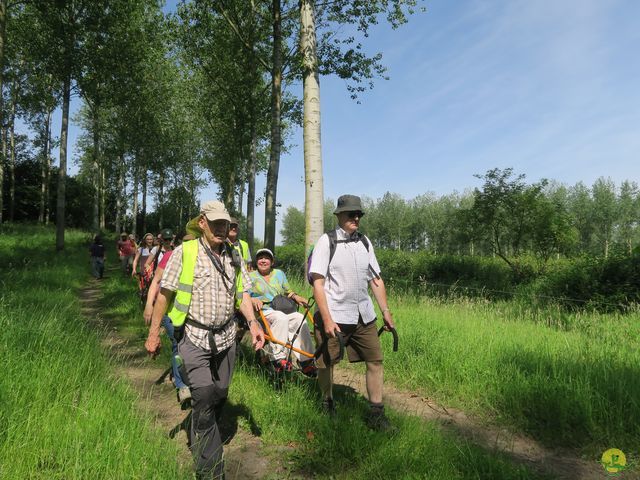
603,284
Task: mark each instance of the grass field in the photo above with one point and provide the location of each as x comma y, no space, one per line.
577,386
67,417
64,415
567,379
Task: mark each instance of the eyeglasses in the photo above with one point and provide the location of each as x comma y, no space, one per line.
353,215
233,226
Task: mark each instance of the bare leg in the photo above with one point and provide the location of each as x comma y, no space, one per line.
374,378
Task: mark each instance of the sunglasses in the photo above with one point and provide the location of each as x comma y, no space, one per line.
233,226
353,215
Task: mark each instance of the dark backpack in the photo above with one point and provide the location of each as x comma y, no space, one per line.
333,244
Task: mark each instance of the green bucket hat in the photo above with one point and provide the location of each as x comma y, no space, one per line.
348,203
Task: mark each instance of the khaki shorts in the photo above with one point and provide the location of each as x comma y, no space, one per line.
361,343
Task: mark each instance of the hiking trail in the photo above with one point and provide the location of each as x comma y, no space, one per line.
244,456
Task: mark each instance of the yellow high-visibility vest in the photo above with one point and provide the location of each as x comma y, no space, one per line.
182,299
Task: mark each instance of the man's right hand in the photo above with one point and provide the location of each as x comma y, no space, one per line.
152,345
331,328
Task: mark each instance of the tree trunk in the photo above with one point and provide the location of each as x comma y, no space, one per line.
241,197
62,174
134,208
144,200
12,158
103,199
96,173
160,205
44,174
276,140
230,190
47,195
3,36
314,193
120,195
251,188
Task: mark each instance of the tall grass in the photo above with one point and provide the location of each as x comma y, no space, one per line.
566,378
573,381
312,444
64,415
296,435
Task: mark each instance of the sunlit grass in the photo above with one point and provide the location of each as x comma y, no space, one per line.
64,414
566,378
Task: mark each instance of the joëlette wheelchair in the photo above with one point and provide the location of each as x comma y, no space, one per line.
264,358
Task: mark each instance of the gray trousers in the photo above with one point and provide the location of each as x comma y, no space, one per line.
208,376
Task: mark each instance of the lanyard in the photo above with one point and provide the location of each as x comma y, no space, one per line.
228,283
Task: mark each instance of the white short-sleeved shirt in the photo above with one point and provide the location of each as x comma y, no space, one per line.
346,278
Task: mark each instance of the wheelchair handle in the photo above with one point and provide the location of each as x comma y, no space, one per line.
395,336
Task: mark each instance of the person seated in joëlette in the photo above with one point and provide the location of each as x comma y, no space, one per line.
269,282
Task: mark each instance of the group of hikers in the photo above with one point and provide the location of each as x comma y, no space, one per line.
208,293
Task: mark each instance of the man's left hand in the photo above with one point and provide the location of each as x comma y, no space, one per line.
388,320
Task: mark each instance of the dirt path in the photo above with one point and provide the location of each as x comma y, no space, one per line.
560,463
244,458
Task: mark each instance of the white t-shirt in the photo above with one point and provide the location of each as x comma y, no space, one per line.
160,255
346,278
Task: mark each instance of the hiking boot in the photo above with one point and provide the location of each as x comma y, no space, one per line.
282,365
378,421
329,407
308,369
184,395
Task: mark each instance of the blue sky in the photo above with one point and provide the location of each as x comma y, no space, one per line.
548,87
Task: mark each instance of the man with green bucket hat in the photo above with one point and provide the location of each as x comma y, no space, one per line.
342,268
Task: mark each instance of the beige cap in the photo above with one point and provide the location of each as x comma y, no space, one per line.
215,210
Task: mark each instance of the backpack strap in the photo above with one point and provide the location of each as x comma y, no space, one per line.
333,243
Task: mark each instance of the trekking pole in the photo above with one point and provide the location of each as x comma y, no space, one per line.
394,333
304,319
268,335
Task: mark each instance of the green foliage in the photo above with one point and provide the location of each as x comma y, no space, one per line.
419,451
293,226
78,212
583,283
292,259
564,384
603,284
64,412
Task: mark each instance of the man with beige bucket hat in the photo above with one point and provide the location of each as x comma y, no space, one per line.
199,286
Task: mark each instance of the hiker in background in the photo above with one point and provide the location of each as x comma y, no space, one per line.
134,243
98,257
165,244
341,274
126,252
269,282
182,390
142,253
241,245
216,275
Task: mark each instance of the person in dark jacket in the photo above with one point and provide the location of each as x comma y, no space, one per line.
97,252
